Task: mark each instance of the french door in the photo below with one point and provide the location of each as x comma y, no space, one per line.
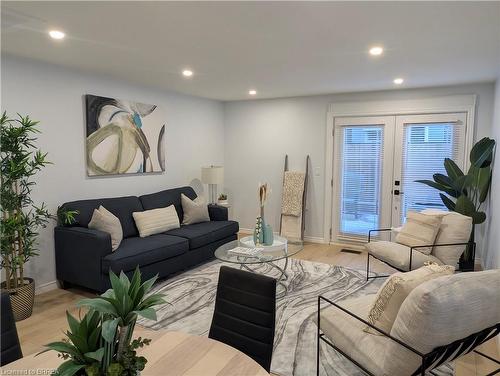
377,162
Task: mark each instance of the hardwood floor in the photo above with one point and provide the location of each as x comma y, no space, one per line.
49,319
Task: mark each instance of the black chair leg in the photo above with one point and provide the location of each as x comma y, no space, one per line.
367,265
317,338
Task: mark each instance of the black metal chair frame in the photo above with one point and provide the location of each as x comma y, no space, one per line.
473,244
427,359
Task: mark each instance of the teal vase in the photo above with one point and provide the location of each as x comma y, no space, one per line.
268,235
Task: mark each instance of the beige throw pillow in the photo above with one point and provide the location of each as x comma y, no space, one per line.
394,291
195,211
156,221
419,229
455,228
104,220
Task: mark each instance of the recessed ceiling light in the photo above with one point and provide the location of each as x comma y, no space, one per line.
187,73
252,92
398,81
56,34
376,51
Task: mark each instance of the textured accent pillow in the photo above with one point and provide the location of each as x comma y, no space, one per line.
156,221
103,220
394,291
195,211
419,229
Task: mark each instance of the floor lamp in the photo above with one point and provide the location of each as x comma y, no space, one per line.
212,176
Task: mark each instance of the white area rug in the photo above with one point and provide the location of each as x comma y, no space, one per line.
192,296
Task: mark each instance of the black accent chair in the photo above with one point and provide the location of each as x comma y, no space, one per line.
11,349
245,311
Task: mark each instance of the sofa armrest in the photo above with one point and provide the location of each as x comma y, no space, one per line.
79,252
217,213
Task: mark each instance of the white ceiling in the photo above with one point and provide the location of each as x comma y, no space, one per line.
279,48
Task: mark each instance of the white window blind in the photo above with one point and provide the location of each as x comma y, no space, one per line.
425,146
360,156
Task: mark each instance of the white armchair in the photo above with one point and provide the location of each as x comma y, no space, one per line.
439,321
451,241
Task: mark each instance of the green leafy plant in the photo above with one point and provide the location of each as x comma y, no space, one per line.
20,161
83,348
222,196
466,193
116,311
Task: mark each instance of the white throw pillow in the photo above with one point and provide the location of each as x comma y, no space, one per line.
103,220
394,291
195,211
455,228
156,221
419,229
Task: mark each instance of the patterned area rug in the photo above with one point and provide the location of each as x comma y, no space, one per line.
192,296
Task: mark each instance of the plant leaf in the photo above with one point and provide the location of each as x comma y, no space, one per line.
96,355
148,313
481,154
73,323
452,169
439,187
447,202
98,304
478,217
443,180
69,368
484,179
109,329
465,206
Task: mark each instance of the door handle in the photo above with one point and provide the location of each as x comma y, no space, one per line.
397,192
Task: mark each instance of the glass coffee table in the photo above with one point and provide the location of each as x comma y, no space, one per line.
281,249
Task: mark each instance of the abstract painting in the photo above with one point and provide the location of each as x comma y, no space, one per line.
123,137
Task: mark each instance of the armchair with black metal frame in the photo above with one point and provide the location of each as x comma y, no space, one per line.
410,249
429,361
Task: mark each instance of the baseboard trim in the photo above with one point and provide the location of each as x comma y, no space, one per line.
49,286
309,239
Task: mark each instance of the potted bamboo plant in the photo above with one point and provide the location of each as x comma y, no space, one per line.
465,193
21,219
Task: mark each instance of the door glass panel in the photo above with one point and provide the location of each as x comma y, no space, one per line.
425,146
361,174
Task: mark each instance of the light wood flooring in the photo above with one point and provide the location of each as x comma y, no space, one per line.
49,320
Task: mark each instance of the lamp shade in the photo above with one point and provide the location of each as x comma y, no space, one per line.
212,175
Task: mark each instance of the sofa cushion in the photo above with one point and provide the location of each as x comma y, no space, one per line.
166,198
137,251
419,229
121,207
398,255
200,234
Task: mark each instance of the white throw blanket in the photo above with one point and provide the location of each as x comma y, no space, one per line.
293,189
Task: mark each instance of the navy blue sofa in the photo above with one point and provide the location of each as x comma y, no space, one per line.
84,257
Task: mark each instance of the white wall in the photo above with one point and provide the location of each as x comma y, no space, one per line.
491,256
260,132
53,95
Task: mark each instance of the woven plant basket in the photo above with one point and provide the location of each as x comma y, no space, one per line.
22,299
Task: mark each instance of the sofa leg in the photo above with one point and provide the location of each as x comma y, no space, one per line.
62,284
367,265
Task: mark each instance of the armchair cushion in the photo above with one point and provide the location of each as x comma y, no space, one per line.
449,308
455,228
347,333
398,255
419,229
394,291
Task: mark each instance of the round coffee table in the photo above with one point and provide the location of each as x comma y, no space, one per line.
280,250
